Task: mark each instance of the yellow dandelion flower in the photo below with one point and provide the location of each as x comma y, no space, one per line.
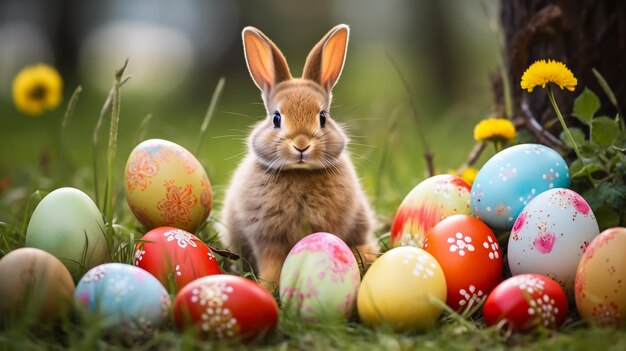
37,89
542,73
469,175
494,129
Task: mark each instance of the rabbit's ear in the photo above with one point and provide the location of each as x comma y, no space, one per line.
266,63
325,61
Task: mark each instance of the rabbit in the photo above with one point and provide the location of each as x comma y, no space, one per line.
297,177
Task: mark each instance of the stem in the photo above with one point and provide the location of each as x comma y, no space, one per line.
209,113
569,135
428,155
69,112
115,118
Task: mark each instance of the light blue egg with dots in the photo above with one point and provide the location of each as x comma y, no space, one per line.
513,177
129,300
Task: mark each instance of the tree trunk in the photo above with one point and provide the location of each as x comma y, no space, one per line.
584,34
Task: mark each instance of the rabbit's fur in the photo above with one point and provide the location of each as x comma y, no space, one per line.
297,178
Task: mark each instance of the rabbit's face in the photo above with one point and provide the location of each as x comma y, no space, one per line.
298,132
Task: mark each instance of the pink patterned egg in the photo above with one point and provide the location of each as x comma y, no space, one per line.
426,205
320,279
167,186
601,279
550,235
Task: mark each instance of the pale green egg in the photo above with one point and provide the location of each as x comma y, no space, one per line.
68,224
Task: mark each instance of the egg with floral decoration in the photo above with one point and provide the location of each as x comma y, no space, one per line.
34,283
225,307
470,257
68,224
320,279
525,302
601,279
167,186
175,257
511,179
550,236
427,204
130,301
403,289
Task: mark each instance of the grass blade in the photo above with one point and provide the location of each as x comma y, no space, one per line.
69,113
217,93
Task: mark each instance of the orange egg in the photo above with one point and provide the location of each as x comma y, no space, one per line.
470,257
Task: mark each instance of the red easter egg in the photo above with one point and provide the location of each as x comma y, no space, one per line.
431,201
470,257
527,301
174,255
225,306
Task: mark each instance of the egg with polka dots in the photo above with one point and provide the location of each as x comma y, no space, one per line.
511,179
403,289
470,257
550,235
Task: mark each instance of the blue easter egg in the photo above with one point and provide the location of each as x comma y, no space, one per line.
129,299
513,177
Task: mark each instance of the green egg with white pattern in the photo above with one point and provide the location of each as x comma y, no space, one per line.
68,224
320,279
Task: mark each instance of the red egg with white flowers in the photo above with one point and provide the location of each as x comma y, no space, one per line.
175,257
470,256
224,307
525,302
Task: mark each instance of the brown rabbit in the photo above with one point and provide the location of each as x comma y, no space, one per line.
297,178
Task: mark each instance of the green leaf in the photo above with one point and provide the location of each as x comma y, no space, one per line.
605,86
604,131
606,216
577,170
586,105
609,193
577,134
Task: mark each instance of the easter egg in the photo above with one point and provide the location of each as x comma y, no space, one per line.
550,235
167,186
174,256
426,205
34,281
320,279
225,306
525,302
601,279
129,300
470,257
68,224
511,178
401,289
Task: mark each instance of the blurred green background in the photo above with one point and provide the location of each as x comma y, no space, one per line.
179,49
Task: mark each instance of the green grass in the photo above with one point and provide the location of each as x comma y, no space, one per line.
390,163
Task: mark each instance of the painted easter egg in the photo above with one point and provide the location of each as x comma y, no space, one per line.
34,281
400,290
511,178
550,235
601,279
320,279
426,205
525,302
167,186
225,306
470,257
68,224
175,257
129,300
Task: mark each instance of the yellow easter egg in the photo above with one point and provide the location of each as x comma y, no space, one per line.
601,279
404,289
167,186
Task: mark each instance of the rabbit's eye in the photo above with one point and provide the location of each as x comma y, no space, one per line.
277,119
323,119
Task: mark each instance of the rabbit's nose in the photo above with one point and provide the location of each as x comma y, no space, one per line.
302,150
